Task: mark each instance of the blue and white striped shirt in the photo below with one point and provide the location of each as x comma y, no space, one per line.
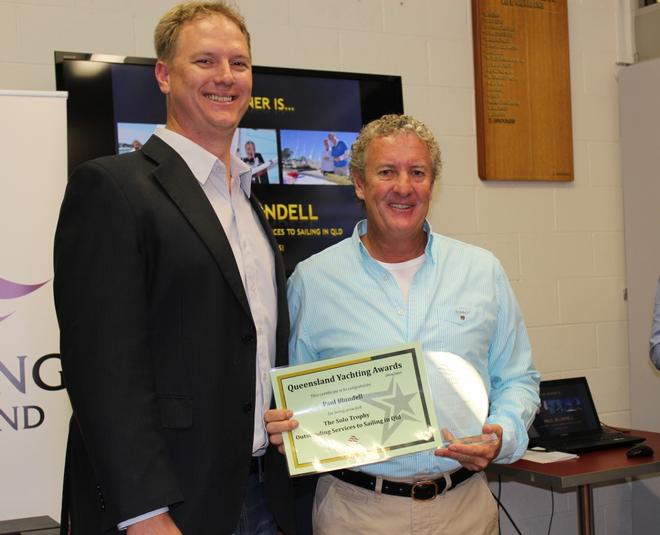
342,301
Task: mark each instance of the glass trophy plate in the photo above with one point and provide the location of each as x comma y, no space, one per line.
460,397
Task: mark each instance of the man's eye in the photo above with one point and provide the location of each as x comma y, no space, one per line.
203,61
240,64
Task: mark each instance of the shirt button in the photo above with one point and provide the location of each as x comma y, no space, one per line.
385,277
400,311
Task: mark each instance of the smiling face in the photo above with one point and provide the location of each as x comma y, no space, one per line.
208,81
396,189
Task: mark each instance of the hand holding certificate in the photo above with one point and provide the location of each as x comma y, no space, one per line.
356,409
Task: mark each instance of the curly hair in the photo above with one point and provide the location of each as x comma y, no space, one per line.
393,125
167,30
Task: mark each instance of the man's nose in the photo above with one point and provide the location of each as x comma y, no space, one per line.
403,184
223,73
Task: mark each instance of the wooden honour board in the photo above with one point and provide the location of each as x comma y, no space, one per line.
522,89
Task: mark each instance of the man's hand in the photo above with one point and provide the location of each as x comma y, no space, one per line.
278,421
156,525
475,457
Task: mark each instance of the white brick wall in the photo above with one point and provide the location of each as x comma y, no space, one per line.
561,245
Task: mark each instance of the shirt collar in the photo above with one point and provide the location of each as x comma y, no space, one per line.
201,162
361,229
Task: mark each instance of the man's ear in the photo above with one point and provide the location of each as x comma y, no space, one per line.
358,184
162,72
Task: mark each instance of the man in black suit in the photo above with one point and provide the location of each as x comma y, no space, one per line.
170,296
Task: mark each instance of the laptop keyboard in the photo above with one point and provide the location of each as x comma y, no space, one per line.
582,443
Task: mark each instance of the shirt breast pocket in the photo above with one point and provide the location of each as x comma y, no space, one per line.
463,330
458,315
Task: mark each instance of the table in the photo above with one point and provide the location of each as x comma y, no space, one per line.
34,524
591,467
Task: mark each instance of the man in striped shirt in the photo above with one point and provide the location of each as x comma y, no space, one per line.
394,281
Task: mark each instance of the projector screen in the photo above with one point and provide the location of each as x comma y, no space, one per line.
296,134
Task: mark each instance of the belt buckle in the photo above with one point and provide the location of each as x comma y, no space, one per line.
424,483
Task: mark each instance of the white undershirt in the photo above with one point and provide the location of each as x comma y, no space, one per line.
403,273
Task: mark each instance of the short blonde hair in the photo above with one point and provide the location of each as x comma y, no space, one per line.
167,30
393,125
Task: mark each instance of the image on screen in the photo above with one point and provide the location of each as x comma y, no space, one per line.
258,149
131,136
565,410
316,158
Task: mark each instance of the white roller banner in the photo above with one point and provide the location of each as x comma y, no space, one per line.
34,408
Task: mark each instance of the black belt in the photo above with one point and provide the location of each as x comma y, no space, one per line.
422,490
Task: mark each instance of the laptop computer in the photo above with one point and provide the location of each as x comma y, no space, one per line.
568,421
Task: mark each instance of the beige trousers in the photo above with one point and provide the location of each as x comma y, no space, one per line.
341,508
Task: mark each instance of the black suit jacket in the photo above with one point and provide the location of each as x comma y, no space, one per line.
158,349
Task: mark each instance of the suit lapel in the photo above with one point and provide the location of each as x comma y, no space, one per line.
183,188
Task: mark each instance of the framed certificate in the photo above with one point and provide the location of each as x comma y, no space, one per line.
356,409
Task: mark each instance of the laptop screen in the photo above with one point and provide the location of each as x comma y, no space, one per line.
566,409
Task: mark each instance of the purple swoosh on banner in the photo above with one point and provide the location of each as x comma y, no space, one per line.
5,317
12,290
